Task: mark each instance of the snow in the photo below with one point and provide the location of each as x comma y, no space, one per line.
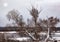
9,32
13,35
20,38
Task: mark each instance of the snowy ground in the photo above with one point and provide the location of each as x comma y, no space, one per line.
13,35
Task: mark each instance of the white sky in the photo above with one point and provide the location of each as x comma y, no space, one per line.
50,8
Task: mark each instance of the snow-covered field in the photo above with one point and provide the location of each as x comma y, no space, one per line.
13,35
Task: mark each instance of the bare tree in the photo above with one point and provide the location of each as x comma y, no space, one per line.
21,21
13,14
42,24
16,17
34,13
49,23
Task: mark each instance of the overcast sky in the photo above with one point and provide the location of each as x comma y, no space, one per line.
49,8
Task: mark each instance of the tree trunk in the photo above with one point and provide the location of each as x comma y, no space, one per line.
30,35
47,35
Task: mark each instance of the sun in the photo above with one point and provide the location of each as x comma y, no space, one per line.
5,4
